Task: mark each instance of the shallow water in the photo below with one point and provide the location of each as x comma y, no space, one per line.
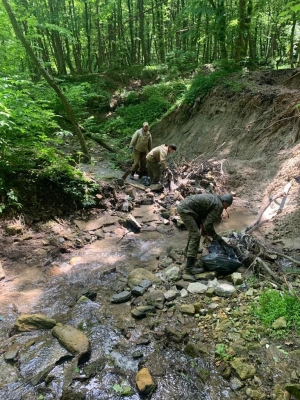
102,266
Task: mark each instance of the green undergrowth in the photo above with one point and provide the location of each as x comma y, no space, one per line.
273,304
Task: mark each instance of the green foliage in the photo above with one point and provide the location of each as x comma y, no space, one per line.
123,389
31,168
222,353
202,84
182,61
273,304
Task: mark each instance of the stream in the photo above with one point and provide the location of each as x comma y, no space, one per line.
75,289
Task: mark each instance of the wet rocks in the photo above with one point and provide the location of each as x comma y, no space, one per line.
176,334
30,322
12,353
141,289
121,297
142,311
138,275
144,381
75,341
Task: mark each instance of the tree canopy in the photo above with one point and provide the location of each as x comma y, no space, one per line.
76,37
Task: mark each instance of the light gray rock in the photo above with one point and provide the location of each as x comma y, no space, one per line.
184,293
225,290
196,287
237,278
171,294
173,273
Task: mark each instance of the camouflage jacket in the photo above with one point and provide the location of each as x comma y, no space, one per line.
159,155
206,209
141,141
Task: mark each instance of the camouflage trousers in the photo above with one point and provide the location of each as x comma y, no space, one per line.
194,236
154,172
139,162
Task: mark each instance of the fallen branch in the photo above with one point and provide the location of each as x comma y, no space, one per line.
257,222
263,265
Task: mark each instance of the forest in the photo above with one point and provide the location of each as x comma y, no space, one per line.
94,70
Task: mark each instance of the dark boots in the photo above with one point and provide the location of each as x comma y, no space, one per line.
190,266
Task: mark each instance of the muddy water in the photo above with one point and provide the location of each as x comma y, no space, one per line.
102,268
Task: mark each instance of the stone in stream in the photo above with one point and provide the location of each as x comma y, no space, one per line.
12,353
138,275
142,311
31,322
144,381
141,288
121,297
75,341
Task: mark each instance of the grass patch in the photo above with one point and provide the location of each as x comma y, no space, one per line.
273,304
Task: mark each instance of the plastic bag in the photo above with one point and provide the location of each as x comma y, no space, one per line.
221,258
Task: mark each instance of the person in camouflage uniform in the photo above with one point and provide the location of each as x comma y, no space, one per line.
141,144
201,211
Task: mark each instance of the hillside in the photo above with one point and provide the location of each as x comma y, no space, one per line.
254,121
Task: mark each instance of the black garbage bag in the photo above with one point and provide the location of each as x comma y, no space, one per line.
221,258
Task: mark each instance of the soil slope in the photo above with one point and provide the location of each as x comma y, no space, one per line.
254,121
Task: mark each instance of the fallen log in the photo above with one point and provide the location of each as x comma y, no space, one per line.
250,228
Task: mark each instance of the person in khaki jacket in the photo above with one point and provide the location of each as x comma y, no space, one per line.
156,158
141,143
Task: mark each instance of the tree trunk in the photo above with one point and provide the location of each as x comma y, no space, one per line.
48,77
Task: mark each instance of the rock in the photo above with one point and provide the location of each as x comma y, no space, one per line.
144,381
255,394
95,224
31,322
187,309
171,294
75,341
243,369
293,389
191,350
280,323
121,297
205,276
182,284
156,299
236,384
141,289
184,293
138,275
223,325
37,361
176,335
196,287
225,290
173,273
280,393
142,311
12,352
14,229
210,292
8,373
237,278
